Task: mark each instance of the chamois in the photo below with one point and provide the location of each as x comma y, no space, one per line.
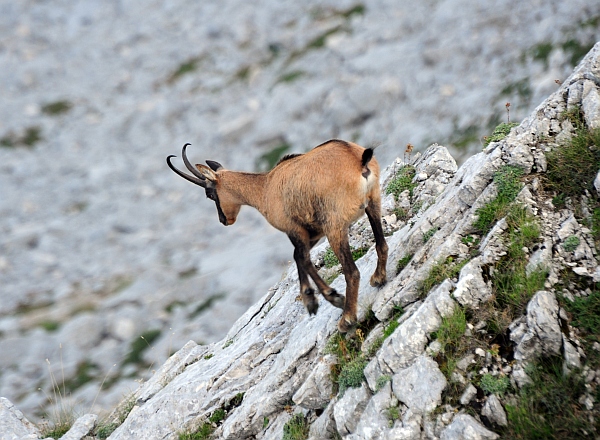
307,196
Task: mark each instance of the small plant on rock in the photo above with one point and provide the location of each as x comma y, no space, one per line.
296,428
402,181
494,384
571,243
403,262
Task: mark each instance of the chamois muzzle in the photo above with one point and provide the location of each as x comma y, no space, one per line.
199,179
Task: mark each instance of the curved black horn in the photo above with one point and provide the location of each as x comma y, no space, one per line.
202,183
189,166
215,166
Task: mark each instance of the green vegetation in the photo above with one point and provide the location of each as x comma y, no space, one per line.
549,407
106,428
50,326
184,68
430,233
296,428
511,285
402,181
494,384
461,138
586,312
352,374
85,373
208,356
388,329
393,413
30,137
573,166
56,108
206,304
268,160
571,243
348,372
449,335
508,182
440,271
207,428
57,429
204,432
500,132
403,262
331,260
139,345
291,76
521,88
381,381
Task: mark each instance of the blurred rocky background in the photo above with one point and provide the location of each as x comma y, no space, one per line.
108,261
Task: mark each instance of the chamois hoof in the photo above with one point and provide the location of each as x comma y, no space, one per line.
378,280
347,326
312,307
335,299
310,301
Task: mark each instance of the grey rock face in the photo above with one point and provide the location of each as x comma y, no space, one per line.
13,425
274,354
465,427
409,340
420,386
81,428
494,411
468,394
349,408
316,391
471,289
542,334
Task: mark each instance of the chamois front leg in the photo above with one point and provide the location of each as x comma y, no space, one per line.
373,211
341,247
301,255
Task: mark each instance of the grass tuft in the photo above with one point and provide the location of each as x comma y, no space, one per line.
508,182
403,262
571,243
549,407
494,384
296,428
402,181
440,271
500,132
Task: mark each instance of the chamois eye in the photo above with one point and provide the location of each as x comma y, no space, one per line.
211,196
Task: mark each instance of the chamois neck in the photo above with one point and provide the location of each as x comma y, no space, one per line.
248,187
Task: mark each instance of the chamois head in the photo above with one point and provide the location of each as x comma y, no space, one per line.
208,177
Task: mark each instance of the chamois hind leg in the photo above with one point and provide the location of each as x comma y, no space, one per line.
339,243
327,291
373,211
301,256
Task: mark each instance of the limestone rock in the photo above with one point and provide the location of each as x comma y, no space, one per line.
468,394
13,425
420,386
348,409
471,289
494,411
542,334
81,428
465,427
316,391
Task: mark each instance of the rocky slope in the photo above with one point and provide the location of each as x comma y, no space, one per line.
274,375
101,245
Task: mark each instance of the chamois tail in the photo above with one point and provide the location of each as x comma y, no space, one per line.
366,157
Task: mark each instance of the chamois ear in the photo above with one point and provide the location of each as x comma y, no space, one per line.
215,166
206,172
